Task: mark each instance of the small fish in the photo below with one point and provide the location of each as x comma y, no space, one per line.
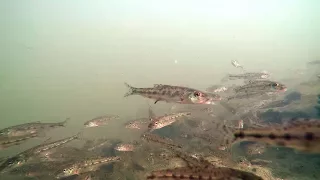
174,94
247,76
125,147
30,128
137,124
208,172
261,86
47,146
100,121
298,134
236,64
86,166
159,140
165,120
15,140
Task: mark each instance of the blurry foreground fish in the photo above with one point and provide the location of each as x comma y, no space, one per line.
84,166
30,128
162,121
28,154
174,94
100,121
261,86
300,135
207,172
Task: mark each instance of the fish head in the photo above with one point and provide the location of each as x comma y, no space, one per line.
124,147
198,97
278,87
67,172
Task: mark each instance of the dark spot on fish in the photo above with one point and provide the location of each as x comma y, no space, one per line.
309,136
256,135
272,136
181,176
239,135
287,136
191,177
174,176
154,92
163,92
200,177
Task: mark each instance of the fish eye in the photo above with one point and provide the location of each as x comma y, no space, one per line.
275,84
197,94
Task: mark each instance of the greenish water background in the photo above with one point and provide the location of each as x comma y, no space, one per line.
63,59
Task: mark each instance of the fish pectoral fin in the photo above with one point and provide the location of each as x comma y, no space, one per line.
157,101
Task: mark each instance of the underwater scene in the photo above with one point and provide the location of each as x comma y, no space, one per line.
160,90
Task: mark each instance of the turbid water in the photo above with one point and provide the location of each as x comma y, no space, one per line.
70,59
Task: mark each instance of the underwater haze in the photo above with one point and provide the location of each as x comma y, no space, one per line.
61,59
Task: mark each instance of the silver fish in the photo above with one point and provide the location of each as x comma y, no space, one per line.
174,94
137,124
236,64
165,120
30,128
247,76
261,86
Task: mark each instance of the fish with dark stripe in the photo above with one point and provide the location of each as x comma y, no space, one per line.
174,94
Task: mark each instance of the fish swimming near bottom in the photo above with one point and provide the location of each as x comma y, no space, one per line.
162,121
174,94
301,135
261,86
86,166
201,173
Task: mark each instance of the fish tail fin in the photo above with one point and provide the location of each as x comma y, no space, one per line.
131,90
65,121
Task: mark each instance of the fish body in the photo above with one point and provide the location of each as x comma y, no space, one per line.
165,120
48,146
208,172
261,86
125,147
12,141
159,140
86,166
30,128
300,135
174,94
100,121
